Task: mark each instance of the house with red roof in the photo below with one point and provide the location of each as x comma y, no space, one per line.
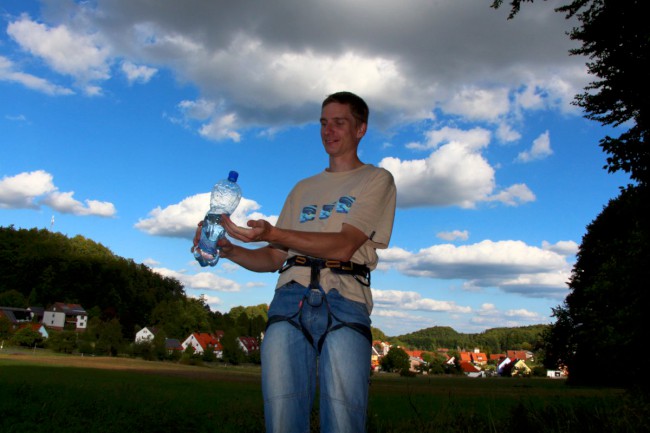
248,344
203,341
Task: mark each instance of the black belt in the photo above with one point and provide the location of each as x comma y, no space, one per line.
336,266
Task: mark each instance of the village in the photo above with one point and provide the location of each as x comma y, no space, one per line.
474,363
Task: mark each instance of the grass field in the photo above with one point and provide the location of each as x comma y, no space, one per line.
50,393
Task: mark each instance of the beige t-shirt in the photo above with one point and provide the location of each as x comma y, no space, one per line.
364,198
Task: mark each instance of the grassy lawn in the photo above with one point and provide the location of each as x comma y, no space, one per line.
49,393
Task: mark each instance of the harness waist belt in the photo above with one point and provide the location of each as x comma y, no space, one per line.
361,273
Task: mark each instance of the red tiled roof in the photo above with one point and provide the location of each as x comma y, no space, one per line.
468,367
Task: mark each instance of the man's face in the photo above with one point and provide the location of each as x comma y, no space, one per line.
339,130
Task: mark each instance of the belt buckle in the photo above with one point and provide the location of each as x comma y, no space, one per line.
336,264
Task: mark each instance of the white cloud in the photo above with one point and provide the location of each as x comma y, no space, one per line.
541,149
21,190
513,195
181,219
414,301
201,280
137,74
454,235
24,190
8,73
454,174
511,266
65,203
479,104
67,52
565,248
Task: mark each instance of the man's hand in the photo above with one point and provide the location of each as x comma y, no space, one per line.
197,236
259,230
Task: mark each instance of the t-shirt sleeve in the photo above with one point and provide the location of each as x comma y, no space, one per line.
374,208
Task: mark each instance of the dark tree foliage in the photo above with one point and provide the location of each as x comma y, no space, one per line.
495,340
603,320
48,267
615,37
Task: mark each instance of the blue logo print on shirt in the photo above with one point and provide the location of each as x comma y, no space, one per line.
308,213
343,205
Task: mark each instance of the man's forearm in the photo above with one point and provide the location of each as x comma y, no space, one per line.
266,259
334,246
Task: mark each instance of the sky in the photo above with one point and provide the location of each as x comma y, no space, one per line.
117,117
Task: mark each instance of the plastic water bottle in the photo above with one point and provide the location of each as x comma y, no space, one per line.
224,199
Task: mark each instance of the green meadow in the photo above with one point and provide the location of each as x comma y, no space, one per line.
69,394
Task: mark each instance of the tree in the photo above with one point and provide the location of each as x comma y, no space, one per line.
395,360
13,298
602,320
62,341
27,337
600,323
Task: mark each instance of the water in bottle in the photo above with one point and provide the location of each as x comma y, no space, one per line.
224,199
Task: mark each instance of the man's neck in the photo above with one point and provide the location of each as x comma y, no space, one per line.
339,164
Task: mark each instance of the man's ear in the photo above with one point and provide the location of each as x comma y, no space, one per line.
361,130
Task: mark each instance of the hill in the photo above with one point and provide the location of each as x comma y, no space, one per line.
495,340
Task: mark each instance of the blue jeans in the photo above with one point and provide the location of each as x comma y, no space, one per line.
292,367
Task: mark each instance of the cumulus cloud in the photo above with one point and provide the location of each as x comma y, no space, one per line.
269,68
64,202
454,174
180,219
565,248
30,190
489,316
9,73
453,235
208,281
511,266
137,74
541,149
79,55
414,301
22,190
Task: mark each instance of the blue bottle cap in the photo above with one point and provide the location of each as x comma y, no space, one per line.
232,176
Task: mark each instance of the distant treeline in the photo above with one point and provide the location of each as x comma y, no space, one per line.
39,267
495,340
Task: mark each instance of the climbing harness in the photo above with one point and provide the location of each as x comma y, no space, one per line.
314,296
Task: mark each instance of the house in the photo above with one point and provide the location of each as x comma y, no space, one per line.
248,344
36,313
465,357
202,341
469,369
15,315
145,334
173,345
519,354
520,368
479,358
415,359
61,315
497,357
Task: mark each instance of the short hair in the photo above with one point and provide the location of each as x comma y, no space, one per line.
358,106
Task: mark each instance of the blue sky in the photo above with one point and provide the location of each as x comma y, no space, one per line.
116,118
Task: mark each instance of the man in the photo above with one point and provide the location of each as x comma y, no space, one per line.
319,320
